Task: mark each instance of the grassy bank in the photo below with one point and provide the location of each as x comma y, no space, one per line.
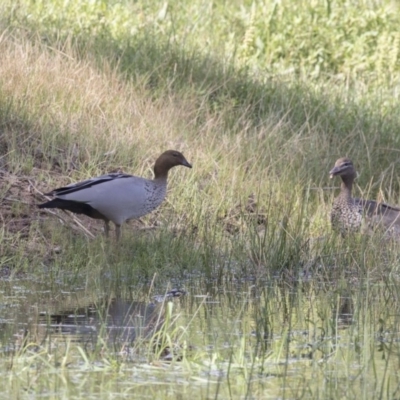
261,98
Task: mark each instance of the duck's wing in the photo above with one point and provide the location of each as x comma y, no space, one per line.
369,207
381,215
388,216
372,207
75,187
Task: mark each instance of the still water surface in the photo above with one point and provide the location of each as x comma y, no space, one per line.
238,340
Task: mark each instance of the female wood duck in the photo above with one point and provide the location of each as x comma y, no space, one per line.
347,213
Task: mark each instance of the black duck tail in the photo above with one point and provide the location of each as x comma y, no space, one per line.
59,203
73,206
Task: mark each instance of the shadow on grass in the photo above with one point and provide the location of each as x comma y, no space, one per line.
352,121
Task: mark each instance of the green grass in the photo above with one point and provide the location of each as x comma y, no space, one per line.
262,97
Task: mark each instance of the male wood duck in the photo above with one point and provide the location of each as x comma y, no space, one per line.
118,197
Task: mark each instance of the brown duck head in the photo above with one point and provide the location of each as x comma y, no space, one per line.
345,169
168,160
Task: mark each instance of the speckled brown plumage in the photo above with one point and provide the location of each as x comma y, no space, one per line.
346,213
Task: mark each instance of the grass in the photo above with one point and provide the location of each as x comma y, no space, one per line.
262,98
325,349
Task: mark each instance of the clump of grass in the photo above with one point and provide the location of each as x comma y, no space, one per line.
242,338
348,39
89,128
95,87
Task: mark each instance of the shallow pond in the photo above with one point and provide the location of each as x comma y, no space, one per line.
256,340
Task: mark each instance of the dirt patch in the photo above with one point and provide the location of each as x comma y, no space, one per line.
18,203
20,196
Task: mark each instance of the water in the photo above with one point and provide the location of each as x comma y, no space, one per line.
237,339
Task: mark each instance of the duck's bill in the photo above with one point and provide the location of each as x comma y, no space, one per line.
334,171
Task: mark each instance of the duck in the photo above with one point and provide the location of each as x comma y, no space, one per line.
117,197
348,213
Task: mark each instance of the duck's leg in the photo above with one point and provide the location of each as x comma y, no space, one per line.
117,231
